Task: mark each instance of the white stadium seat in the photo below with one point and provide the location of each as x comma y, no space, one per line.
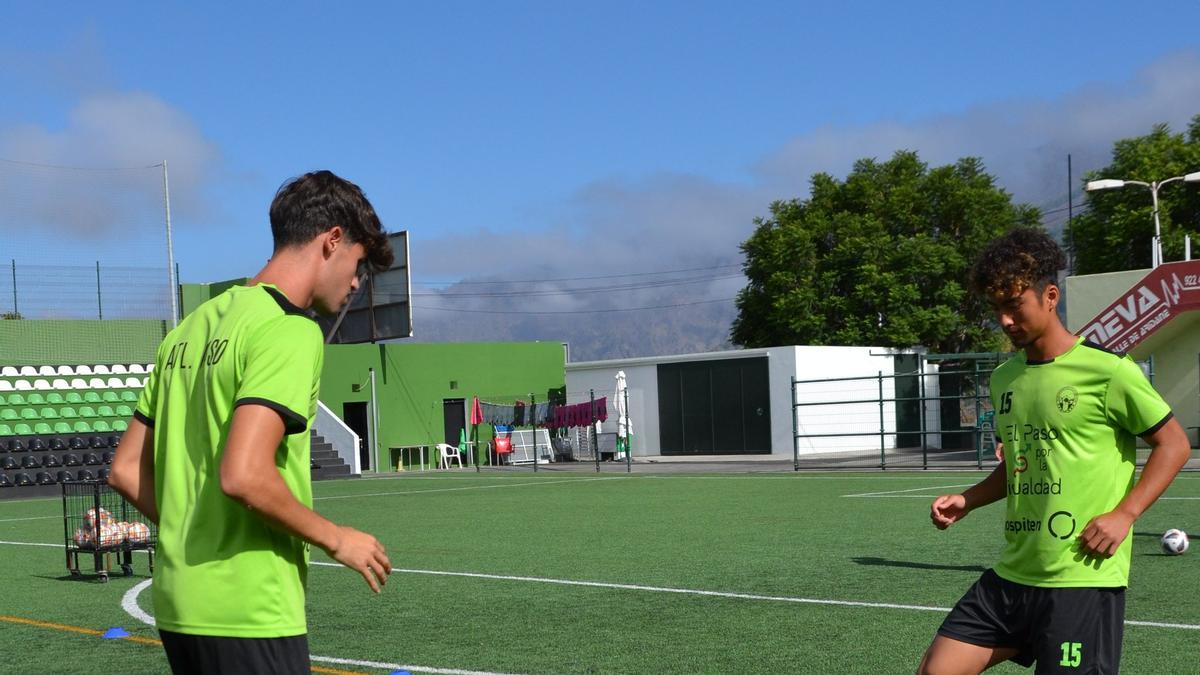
115,383
83,370
47,371
137,368
42,385
23,385
5,385
133,383
79,383
9,371
100,370
118,369
65,370
96,383
149,367
28,371
60,384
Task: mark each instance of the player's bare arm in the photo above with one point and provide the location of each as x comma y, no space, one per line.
133,469
949,509
249,475
1169,451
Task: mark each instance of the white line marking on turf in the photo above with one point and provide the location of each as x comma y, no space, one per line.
129,603
469,487
1179,497
717,594
897,492
13,520
29,543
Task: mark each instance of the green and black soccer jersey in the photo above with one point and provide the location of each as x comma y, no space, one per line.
221,569
1068,427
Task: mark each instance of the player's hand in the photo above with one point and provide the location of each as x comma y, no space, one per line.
363,553
947,510
999,452
1104,533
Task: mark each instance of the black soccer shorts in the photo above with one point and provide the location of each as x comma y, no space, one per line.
1063,630
206,654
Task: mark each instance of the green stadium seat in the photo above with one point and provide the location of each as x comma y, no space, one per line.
62,428
101,425
124,411
87,411
67,412
5,430
16,399
42,428
91,397
105,411
48,413
81,428
29,414
74,398
3,400
54,398
9,415
22,429
35,399
129,396
110,396
120,425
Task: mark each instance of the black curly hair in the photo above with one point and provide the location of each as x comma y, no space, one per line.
1022,258
308,205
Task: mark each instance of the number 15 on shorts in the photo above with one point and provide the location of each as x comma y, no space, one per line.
1072,654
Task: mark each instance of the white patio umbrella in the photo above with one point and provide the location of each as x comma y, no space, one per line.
624,424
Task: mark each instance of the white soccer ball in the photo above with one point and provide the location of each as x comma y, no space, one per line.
138,533
91,516
111,535
84,538
1174,542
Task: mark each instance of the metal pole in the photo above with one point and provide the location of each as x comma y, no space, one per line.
533,425
924,445
170,247
978,433
795,428
1070,219
1187,247
1156,252
99,303
375,425
628,426
882,456
591,432
16,310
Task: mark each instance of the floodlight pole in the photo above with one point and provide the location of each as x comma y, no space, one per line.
1156,256
171,279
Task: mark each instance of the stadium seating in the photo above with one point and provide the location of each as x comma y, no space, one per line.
5,481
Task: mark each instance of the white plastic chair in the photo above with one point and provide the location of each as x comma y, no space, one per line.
83,370
47,371
28,371
133,383
448,453
41,385
115,383
79,383
100,370
137,368
97,383
119,369
60,384
23,385
65,371
5,385
9,371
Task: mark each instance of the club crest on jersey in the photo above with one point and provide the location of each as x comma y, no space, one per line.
1066,399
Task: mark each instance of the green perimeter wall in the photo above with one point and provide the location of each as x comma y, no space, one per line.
36,342
411,381
192,296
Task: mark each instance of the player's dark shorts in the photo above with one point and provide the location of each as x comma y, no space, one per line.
196,654
1065,630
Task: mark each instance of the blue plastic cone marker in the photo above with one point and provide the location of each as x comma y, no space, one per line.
400,672
115,632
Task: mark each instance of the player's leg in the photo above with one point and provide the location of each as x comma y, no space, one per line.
986,626
947,656
1080,631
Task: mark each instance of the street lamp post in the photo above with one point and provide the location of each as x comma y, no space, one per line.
1153,186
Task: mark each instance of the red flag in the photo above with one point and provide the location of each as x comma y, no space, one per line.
476,412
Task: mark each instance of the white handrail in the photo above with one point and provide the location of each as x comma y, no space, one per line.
341,437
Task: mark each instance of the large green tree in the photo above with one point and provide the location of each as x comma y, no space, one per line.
1115,232
880,258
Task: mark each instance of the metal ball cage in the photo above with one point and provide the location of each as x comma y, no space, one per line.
96,497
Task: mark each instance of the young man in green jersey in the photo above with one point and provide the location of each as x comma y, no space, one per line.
1068,413
218,451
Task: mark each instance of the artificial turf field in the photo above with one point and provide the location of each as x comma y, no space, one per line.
569,573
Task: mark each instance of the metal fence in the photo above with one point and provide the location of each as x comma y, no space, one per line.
84,292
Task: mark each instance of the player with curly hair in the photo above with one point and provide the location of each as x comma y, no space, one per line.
1068,413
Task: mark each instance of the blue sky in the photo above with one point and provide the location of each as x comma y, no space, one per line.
543,140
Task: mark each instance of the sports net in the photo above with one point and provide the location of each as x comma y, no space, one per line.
81,244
